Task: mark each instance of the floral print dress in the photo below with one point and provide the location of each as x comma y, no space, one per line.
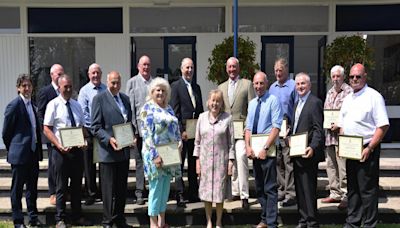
214,145
159,126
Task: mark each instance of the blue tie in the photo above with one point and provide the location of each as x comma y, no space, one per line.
71,115
256,116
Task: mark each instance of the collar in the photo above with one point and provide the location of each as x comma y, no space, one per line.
94,86
25,100
186,81
234,80
264,96
305,97
361,91
62,99
112,94
285,84
144,80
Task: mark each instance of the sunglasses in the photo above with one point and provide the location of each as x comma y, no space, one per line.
355,77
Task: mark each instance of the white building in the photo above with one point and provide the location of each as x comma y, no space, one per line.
34,34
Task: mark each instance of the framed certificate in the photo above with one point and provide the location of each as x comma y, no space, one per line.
72,137
298,144
282,132
238,129
169,154
350,147
257,143
330,116
123,133
191,125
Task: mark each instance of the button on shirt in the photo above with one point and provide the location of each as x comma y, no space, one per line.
57,114
287,96
362,112
85,99
271,114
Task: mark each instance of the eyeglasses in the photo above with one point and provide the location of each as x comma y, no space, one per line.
355,77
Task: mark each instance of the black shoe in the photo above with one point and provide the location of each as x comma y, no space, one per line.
245,204
140,201
90,201
82,222
287,203
180,201
35,224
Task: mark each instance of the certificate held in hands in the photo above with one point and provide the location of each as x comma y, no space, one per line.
350,147
123,133
257,143
330,116
169,154
298,144
72,137
191,125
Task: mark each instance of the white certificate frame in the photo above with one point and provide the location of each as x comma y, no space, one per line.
282,132
298,144
72,137
238,129
257,143
169,154
191,125
330,116
123,133
349,145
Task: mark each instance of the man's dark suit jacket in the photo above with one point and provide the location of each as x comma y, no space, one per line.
17,134
105,114
45,95
182,104
311,120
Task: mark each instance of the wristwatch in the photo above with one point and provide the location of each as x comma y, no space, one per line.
265,147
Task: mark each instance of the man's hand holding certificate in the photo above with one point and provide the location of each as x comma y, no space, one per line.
72,137
350,147
123,136
298,145
257,145
331,116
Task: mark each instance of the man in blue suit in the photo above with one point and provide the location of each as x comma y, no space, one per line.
110,108
21,135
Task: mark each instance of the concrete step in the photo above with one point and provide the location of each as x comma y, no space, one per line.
193,214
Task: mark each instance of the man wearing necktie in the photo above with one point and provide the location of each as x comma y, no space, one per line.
186,100
237,93
264,117
45,95
86,94
308,118
62,112
21,136
109,108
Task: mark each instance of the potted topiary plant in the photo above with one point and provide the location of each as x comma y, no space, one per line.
224,50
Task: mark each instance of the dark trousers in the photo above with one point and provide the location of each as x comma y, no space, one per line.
285,172
362,191
305,179
266,189
50,170
113,186
140,181
187,151
24,174
68,167
90,170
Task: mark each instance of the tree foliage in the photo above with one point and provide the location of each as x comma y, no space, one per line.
222,52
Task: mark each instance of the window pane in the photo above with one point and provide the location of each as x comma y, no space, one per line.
75,20
283,19
177,19
74,54
386,75
9,20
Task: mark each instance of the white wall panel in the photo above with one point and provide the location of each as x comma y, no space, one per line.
112,53
13,61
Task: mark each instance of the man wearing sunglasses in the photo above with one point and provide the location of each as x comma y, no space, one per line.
363,113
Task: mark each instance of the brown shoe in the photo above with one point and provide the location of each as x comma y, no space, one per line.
343,205
53,199
261,225
330,200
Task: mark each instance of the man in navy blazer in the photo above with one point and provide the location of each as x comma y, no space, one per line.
21,135
308,118
45,95
187,103
110,108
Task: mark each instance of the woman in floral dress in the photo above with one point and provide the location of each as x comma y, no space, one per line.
159,126
214,149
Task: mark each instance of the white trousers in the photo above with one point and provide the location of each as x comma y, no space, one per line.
240,177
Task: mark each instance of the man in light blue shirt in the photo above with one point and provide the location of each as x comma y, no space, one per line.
284,89
264,117
85,97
